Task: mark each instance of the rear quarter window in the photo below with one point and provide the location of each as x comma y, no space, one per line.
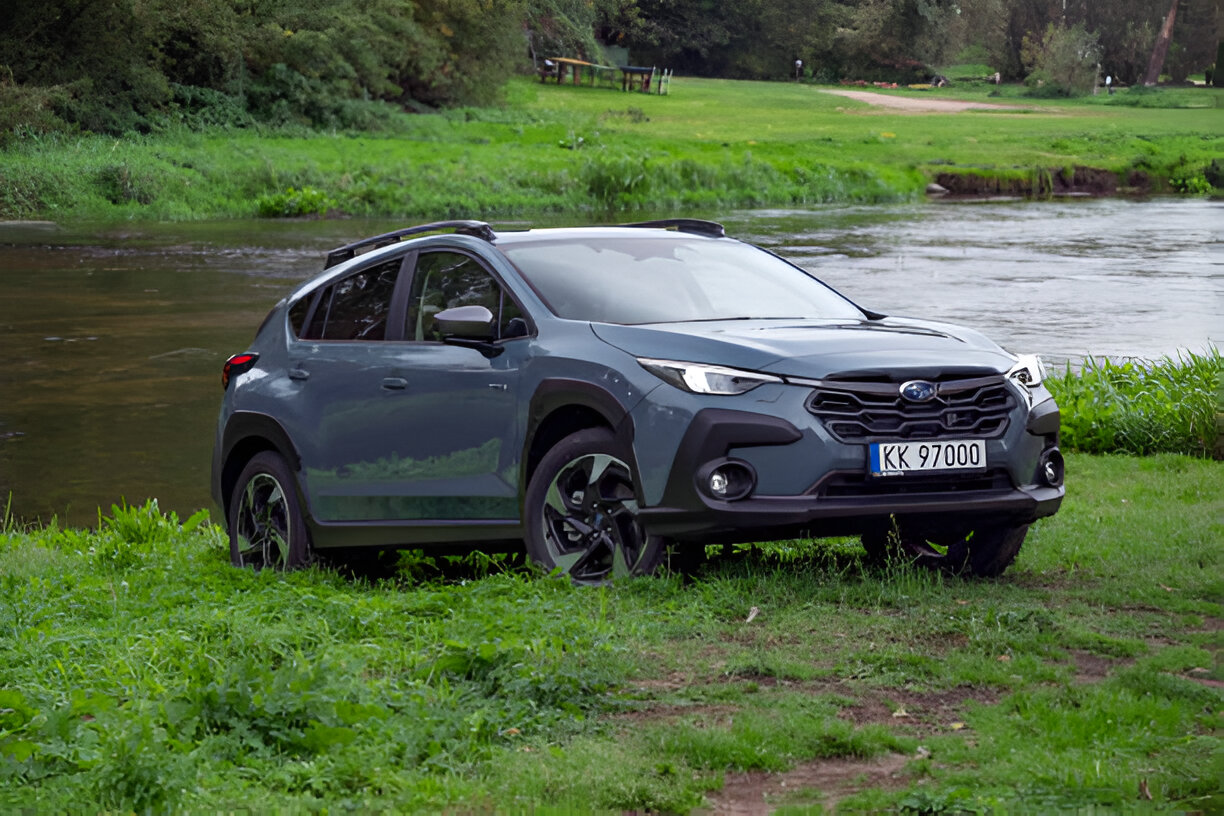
298,312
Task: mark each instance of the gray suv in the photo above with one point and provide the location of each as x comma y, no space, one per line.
614,395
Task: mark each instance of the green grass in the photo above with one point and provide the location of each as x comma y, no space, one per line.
1143,406
139,671
710,144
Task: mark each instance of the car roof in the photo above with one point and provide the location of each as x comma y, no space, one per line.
480,229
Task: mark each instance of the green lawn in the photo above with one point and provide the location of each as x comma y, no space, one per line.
138,670
709,144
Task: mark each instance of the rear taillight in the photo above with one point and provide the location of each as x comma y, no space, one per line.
238,364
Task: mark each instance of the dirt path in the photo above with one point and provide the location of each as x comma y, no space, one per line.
911,105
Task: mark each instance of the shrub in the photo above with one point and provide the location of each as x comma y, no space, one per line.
293,203
30,111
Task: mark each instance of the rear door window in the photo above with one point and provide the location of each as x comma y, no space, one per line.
357,307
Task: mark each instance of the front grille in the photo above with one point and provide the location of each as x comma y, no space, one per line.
976,408
854,485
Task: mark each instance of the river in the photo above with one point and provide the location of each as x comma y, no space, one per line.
113,336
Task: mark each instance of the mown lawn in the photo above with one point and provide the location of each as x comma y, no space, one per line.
139,671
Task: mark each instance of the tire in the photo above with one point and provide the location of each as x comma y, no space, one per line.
580,508
266,528
982,552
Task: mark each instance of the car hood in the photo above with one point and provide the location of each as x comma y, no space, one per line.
817,348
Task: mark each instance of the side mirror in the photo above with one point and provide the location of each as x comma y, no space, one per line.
466,323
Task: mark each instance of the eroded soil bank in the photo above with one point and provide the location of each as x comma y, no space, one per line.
1046,183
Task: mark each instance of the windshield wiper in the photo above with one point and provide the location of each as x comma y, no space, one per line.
719,319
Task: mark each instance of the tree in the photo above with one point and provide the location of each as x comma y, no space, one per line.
1064,61
1162,46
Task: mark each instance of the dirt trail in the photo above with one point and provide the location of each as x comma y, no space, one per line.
912,105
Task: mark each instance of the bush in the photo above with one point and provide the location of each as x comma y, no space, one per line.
1142,407
28,111
294,203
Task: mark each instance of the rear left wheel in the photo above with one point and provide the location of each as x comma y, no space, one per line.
581,512
265,519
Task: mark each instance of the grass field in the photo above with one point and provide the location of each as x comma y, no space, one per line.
139,671
593,151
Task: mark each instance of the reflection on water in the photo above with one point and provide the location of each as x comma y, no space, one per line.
113,337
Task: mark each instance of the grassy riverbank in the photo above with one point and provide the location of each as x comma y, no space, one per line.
138,670
711,144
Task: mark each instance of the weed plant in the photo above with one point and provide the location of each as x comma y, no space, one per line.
1170,405
139,672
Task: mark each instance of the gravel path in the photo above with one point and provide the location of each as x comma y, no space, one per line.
913,105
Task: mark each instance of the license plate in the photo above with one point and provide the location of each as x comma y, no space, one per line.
900,458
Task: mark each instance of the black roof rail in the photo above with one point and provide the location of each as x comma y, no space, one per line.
695,225
341,254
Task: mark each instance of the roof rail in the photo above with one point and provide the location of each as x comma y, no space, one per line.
341,254
695,225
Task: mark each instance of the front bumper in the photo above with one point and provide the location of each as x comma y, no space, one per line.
764,517
824,486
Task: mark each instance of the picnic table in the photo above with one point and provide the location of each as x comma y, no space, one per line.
575,67
639,74
633,77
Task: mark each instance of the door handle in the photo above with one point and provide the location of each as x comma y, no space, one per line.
299,374
394,383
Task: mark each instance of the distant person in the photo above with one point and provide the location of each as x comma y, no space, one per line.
1109,84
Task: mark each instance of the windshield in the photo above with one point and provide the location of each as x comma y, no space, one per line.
668,279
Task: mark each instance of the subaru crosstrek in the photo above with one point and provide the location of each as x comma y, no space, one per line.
610,395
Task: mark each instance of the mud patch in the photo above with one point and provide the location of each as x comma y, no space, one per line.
1091,668
920,713
823,781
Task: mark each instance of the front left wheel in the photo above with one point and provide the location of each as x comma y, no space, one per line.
581,509
266,527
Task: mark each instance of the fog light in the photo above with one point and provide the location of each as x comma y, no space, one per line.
727,479
1052,468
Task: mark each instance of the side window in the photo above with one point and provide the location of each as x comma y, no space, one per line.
357,307
315,329
444,280
298,312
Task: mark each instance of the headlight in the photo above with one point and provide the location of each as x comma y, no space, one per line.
699,378
1028,370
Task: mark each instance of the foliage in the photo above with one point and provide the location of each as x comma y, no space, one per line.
1062,62
1168,405
28,112
122,66
139,672
294,203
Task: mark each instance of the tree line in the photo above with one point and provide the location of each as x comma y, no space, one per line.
132,65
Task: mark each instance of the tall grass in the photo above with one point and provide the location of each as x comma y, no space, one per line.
1170,405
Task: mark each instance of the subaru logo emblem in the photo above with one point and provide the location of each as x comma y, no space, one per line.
918,391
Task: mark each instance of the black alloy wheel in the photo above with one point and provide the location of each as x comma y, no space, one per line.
581,511
265,521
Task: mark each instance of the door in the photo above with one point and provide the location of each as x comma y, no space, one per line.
410,428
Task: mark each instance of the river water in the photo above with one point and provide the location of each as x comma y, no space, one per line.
112,337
